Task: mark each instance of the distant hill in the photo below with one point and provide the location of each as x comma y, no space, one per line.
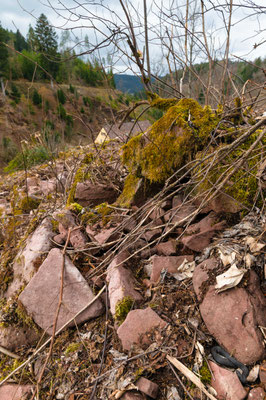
128,83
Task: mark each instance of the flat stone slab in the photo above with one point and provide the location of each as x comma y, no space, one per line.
24,267
14,337
14,392
198,236
226,383
137,325
121,282
232,316
40,297
91,195
168,263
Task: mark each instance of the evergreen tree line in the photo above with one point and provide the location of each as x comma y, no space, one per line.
41,59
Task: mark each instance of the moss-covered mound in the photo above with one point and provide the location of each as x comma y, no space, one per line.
172,141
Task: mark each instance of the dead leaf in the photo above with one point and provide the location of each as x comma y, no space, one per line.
229,279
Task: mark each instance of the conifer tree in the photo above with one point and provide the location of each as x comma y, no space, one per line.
45,40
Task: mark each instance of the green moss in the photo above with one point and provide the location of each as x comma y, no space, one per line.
131,186
72,347
26,204
205,374
243,185
160,103
171,141
81,175
75,207
55,225
122,308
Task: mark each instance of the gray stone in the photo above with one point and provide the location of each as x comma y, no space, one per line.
40,297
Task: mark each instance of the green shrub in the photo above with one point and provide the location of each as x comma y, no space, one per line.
71,89
36,98
28,158
61,112
15,93
61,96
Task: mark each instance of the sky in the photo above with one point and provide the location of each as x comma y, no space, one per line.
247,26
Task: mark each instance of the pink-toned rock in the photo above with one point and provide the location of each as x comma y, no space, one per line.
32,186
15,392
166,248
201,233
221,203
48,187
262,374
148,387
37,245
179,212
59,239
40,297
133,395
169,263
137,325
106,235
151,233
14,337
91,233
232,316
257,394
157,216
226,384
121,282
67,221
129,224
91,195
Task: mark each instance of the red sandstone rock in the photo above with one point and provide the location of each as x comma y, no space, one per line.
91,195
201,233
148,387
15,392
60,239
170,263
166,248
151,233
24,267
48,187
226,384
137,325
221,203
121,282
66,221
179,212
257,394
233,316
262,374
13,337
133,395
106,235
41,295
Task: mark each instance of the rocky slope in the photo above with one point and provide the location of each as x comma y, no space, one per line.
99,300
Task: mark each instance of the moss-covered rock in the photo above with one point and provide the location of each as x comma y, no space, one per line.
172,141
